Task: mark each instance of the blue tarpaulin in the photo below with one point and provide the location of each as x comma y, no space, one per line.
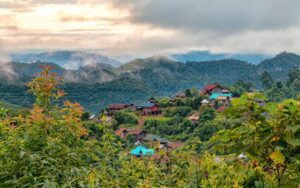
216,95
141,150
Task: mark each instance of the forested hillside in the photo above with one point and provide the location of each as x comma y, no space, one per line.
141,78
54,143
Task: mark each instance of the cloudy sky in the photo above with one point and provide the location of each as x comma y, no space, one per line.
145,27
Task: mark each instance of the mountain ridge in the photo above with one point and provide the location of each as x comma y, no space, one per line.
153,76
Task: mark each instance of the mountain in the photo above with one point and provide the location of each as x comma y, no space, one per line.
208,56
280,65
95,86
67,59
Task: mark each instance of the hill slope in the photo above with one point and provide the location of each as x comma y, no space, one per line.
97,85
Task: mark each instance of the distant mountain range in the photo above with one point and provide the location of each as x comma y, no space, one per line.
208,56
67,59
96,85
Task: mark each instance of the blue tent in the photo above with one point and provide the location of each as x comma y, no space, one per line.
141,150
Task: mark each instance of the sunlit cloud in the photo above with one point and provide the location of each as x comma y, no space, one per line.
135,28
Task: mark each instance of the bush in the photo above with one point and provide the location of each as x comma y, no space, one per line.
125,117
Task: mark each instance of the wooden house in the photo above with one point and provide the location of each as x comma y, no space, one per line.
152,100
211,89
147,109
111,109
138,134
122,132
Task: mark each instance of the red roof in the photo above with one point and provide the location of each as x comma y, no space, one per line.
118,106
135,131
211,87
120,131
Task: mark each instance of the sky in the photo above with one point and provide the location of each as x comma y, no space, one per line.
125,28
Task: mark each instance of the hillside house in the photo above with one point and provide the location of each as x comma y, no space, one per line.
111,109
180,95
152,100
174,145
194,118
211,89
148,109
155,138
137,134
205,102
223,99
122,132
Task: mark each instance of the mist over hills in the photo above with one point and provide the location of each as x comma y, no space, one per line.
208,56
67,59
97,85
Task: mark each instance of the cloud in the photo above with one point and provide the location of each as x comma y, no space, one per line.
222,16
6,70
123,28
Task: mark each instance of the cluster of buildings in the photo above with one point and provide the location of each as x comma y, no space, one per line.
151,107
140,136
216,96
143,137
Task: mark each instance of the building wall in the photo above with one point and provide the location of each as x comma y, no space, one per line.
217,90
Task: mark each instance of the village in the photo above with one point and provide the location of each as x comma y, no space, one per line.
147,144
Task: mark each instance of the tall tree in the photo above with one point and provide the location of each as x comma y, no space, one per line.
267,80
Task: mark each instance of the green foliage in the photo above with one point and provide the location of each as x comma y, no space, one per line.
268,133
266,79
207,114
241,87
180,111
164,102
174,128
125,117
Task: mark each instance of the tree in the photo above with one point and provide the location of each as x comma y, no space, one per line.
241,87
125,117
49,147
269,134
266,79
207,114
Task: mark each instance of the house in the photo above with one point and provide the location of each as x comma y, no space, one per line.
205,102
213,88
148,108
224,99
194,118
155,138
180,95
142,151
122,132
260,102
174,145
111,109
152,100
137,134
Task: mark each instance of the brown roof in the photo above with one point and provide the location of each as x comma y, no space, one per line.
175,145
118,106
180,94
135,131
120,131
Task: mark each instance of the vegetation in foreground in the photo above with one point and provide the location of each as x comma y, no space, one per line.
50,146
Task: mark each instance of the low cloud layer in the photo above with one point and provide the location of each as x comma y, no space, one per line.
123,28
